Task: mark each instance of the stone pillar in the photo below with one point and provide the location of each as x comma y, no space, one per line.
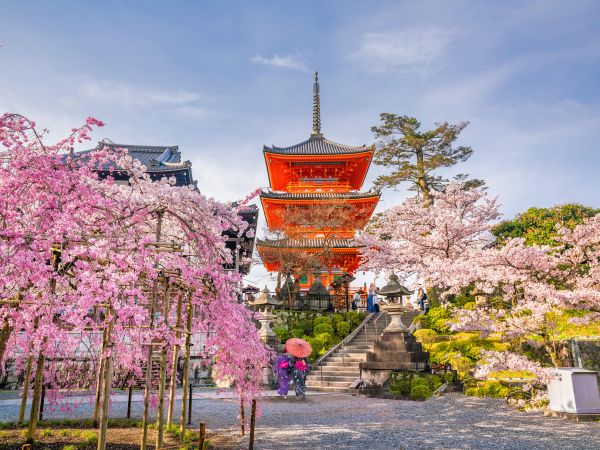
395,311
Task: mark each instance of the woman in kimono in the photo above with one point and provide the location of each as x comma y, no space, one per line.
300,370
281,369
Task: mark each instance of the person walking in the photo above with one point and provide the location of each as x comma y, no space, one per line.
300,370
370,298
422,300
281,369
356,301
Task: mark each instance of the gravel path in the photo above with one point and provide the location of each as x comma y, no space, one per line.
328,421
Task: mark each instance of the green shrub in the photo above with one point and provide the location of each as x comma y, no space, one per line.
46,433
449,377
282,333
324,328
88,437
492,389
297,333
69,447
420,391
400,383
326,339
354,317
425,335
343,328
319,320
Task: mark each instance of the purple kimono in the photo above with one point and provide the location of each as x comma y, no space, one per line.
281,370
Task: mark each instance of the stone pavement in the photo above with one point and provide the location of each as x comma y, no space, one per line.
342,421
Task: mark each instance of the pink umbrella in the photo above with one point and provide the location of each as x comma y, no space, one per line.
298,347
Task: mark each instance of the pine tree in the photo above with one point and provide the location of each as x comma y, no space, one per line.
415,155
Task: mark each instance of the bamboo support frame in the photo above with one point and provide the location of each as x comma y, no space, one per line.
35,402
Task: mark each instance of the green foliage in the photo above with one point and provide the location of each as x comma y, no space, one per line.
539,226
46,433
326,338
425,335
69,447
324,328
449,377
342,328
415,386
320,330
297,332
403,152
494,389
436,319
420,392
281,333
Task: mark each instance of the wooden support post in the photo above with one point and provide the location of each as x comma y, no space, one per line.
252,424
129,402
186,365
99,378
149,362
242,418
42,400
25,390
35,402
160,415
106,386
174,363
202,436
190,406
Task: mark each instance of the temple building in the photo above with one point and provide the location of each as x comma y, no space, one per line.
314,206
163,161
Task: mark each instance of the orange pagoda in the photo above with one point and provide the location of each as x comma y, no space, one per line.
314,206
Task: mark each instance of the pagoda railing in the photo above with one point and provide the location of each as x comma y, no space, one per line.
312,185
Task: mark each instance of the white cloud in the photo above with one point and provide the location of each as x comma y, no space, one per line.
412,50
128,96
293,62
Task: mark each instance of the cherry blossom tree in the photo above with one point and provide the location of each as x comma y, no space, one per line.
83,257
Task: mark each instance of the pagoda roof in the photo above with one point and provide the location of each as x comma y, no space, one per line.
309,243
316,145
318,195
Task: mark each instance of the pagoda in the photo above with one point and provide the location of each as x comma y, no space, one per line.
314,206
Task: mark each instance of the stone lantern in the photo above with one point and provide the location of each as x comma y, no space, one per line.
394,291
396,349
264,305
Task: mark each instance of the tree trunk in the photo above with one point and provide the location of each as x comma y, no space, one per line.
186,366
174,365
107,383
25,389
422,184
5,333
99,379
160,415
35,402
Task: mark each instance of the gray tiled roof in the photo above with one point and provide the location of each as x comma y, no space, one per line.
156,158
309,243
317,195
315,145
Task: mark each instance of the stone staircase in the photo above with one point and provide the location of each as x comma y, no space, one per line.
340,370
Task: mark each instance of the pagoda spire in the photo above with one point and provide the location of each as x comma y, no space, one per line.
316,129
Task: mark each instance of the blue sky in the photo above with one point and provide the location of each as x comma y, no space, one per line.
220,79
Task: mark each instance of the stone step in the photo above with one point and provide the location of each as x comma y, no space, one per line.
338,384
326,389
347,359
335,364
319,379
341,372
